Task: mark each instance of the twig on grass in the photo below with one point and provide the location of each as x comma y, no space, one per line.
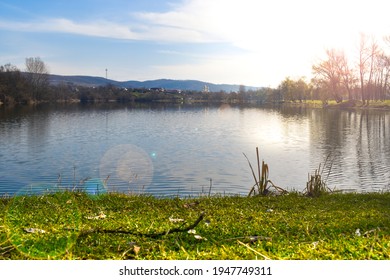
152,235
251,239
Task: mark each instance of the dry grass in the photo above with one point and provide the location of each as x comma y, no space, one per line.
262,183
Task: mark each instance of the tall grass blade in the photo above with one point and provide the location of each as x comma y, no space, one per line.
258,161
253,174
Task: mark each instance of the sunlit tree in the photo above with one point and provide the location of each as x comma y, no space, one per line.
294,90
368,52
327,73
380,77
347,74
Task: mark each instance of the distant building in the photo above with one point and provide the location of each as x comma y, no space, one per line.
206,89
157,89
173,91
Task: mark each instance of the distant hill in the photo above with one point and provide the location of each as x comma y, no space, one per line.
89,81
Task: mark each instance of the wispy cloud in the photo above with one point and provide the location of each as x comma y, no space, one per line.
253,24
62,25
99,29
247,24
205,21
192,21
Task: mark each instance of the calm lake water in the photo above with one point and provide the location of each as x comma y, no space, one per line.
183,150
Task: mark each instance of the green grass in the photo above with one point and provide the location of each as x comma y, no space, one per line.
380,104
290,226
356,104
315,103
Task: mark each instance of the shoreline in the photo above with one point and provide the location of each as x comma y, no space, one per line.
349,104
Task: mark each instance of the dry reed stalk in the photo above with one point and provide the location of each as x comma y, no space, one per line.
262,181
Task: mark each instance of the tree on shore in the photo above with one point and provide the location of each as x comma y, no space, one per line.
294,90
368,80
328,74
37,75
367,55
12,84
347,75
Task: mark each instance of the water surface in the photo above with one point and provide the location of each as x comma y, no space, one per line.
182,150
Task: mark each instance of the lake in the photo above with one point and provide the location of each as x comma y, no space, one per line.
166,150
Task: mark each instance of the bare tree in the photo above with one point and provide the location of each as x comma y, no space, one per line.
347,75
381,76
327,73
12,84
38,76
367,55
386,77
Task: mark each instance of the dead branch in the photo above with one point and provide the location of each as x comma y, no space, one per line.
152,235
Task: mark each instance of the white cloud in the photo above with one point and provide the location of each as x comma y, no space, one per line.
247,22
62,25
211,21
99,29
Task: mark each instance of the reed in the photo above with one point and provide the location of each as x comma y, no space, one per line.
316,184
262,183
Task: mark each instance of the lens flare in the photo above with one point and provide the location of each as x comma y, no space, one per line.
128,167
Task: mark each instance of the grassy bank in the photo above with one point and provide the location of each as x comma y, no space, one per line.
352,104
116,226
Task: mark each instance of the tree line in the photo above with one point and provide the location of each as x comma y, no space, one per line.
33,86
334,78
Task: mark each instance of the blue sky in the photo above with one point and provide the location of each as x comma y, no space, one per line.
251,42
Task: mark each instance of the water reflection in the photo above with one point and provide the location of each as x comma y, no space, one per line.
358,143
178,149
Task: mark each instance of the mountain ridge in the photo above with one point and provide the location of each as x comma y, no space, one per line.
91,81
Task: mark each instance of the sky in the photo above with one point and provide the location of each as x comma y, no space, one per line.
249,42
